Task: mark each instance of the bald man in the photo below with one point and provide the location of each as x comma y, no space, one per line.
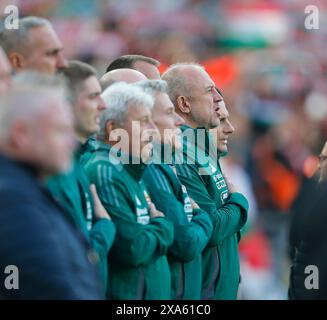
5,73
124,75
199,103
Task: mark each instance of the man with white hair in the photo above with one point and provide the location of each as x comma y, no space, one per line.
192,225
33,46
5,70
137,261
108,79
51,257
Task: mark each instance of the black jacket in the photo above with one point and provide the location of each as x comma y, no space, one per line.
53,258
308,239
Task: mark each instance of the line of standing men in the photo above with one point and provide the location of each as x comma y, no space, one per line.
154,231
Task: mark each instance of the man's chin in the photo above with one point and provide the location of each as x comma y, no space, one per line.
222,149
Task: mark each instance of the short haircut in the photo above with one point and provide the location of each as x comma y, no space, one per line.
128,61
178,83
75,74
107,83
30,90
17,40
153,86
119,98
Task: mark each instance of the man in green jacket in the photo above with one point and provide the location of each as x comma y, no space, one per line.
73,190
196,99
108,79
138,264
192,225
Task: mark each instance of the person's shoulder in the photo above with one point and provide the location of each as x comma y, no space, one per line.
15,181
100,165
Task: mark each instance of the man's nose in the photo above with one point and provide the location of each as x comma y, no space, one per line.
101,104
230,127
217,97
179,121
62,63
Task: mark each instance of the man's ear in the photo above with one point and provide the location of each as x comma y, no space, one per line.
17,60
110,127
183,104
19,135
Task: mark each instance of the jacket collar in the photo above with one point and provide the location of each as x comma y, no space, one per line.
81,148
200,134
31,169
134,168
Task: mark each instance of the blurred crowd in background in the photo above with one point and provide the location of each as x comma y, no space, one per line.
273,75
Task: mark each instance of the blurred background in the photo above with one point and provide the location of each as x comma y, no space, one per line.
273,74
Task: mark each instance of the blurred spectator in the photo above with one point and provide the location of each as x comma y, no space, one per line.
308,276
34,45
52,257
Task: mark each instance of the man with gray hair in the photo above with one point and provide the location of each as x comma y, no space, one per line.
198,102
192,226
48,255
34,45
137,261
5,73
108,79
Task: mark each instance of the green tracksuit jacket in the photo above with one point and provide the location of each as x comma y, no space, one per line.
228,212
138,264
193,230
85,150
72,192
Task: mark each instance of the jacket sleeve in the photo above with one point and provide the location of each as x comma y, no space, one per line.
135,243
28,242
102,236
189,238
228,219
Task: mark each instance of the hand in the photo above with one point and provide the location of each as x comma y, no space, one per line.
231,187
154,213
99,210
194,204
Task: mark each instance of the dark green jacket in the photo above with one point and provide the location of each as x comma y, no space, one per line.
85,150
72,192
138,264
206,185
193,230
